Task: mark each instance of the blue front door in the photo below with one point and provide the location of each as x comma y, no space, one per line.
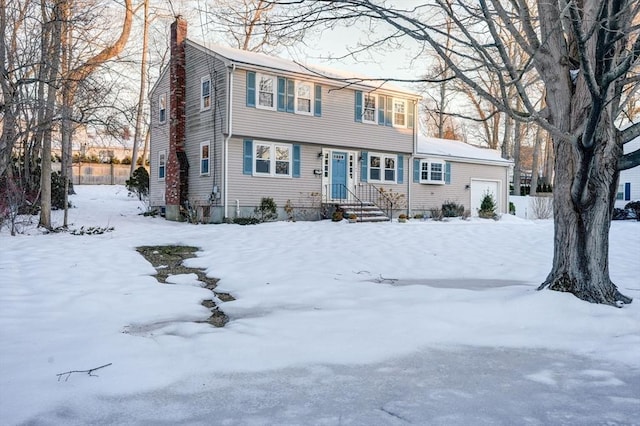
339,175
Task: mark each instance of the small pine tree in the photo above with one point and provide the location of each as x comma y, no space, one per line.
488,206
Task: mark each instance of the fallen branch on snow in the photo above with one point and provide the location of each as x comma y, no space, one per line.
69,373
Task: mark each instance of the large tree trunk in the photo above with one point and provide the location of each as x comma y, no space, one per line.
585,186
581,240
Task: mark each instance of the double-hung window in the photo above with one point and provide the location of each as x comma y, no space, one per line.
162,164
369,108
266,91
162,108
432,171
205,93
399,112
272,159
304,98
382,168
204,158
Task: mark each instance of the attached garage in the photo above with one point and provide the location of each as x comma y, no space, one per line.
452,171
480,188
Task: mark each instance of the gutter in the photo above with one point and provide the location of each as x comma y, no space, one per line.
225,148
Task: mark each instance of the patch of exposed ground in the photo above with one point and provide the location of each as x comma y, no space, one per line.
168,260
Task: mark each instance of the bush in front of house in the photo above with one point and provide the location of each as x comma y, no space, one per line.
138,183
267,210
634,207
452,209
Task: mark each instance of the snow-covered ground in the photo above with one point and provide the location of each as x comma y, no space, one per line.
425,322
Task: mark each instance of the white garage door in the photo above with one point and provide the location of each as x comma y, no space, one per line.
478,190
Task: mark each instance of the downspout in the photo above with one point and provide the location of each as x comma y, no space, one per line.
226,141
411,157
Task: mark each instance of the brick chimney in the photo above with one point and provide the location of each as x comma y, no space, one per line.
176,180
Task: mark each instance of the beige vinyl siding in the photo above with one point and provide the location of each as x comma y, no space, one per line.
335,128
249,190
207,125
427,196
159,142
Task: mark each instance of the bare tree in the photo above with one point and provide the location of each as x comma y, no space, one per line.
246,25
142,92
584,52
535,161
51,56
75,72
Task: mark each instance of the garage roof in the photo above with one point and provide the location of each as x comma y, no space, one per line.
459,151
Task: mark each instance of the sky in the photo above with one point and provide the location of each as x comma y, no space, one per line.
334,323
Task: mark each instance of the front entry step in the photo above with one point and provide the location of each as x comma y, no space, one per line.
366,211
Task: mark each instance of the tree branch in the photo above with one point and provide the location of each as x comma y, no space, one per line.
630,133
630,160
69,373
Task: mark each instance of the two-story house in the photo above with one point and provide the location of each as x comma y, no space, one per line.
230,127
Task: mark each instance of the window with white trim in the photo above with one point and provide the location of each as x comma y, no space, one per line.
399,112
204,158
304,98
162,108
266,91
369,114
272,159
162,164
432,171
205,93
382,168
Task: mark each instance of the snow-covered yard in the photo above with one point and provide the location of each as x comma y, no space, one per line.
333,323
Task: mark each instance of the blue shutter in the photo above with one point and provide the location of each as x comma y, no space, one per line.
400,169
381,106
627,191
291,93
251,89
363,169
296,161
282,94
410,113
416,170
447,173
358,112
317,110
248,157
389,112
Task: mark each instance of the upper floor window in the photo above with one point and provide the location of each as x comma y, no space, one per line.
162,108
272,159
304,98
399,112
162,164
382,168
266,91
383,110
283,94
432,171
205,93
369,108
204,158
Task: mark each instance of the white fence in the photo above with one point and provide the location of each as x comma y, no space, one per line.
533,207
